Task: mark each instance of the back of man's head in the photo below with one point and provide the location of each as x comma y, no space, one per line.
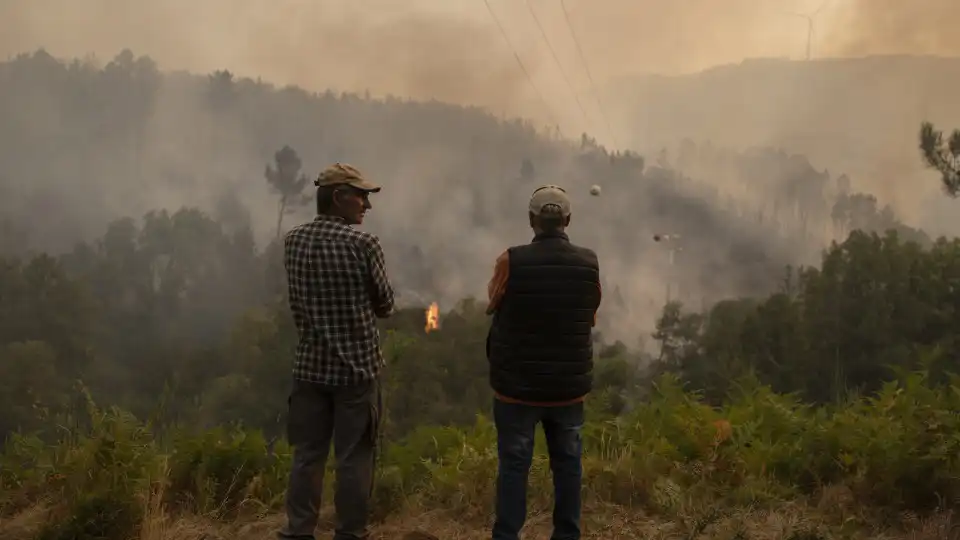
549,209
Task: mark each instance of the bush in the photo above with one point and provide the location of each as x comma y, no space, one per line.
96,483
215,473
897,451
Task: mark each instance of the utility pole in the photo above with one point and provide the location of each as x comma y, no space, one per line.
810,18
672,248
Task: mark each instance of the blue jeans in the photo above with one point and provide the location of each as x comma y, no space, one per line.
516,425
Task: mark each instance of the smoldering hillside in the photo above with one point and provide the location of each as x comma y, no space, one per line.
82,145
857,116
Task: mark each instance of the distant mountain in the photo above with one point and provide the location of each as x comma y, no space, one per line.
859,115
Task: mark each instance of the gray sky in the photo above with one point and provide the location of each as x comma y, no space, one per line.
453,51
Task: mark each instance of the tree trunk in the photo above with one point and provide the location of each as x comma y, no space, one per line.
283,208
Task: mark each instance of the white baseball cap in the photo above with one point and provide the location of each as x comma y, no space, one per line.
550,196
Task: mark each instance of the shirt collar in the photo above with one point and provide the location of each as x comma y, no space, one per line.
552,234
329,218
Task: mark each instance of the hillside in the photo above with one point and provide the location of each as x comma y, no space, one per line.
858,115
84,146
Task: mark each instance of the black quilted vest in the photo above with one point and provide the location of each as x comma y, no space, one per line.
540,344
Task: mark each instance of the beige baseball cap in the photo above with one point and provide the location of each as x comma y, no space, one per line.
551,197
342,173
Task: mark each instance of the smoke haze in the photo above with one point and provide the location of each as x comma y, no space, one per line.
644,56
453,51
872,27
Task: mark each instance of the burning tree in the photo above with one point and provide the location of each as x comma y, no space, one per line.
432,318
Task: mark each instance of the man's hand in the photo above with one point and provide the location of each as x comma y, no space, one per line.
381,292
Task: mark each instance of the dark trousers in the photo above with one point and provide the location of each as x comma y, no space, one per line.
349,416
516,424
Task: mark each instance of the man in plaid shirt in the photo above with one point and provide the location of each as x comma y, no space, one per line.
338,287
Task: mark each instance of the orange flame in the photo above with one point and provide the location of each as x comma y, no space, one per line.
433,318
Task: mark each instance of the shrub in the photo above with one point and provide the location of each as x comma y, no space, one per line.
897,450
215,473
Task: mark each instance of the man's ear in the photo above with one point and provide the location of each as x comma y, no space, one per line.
566,220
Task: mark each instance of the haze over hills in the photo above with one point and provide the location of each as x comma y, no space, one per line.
752,175
858,116
84,145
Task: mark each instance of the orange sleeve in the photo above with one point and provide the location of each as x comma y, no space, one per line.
498,283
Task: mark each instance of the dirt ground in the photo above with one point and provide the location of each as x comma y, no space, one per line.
792,522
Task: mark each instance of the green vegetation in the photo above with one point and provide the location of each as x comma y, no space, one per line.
690,435
672,456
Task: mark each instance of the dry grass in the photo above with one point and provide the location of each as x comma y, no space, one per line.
23,524
789,522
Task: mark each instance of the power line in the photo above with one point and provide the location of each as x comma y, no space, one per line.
553,53
522,66
586,68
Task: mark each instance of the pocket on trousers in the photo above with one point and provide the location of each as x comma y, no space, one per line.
295,434
376,414
373,431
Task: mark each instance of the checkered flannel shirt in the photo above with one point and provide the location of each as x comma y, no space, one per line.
338,287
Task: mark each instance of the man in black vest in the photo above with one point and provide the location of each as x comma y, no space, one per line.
544,298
